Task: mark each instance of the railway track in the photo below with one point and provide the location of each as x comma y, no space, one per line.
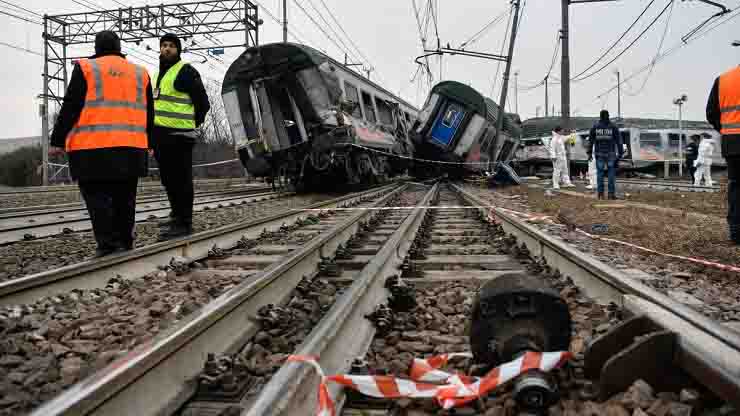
6,213
663,185
433,247
41,223
143,186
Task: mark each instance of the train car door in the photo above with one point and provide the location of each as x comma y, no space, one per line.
269,129
447,123
626,136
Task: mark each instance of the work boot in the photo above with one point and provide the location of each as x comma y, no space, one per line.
600,195
176,230
167,222
612,197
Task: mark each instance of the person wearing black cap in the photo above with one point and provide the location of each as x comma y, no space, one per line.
104,126
181,104
606,147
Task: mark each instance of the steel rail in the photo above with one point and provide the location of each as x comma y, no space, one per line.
707,350
95,273
157,377
142,185
6,213
344,333
16,231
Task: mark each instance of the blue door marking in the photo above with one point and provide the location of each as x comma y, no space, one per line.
447,123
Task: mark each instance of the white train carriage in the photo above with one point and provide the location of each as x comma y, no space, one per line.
296,113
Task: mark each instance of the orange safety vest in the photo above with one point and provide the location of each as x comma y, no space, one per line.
729,101
114,114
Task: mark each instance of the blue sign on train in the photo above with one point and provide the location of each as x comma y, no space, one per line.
447,123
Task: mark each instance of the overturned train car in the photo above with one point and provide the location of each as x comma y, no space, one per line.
457,126
302,118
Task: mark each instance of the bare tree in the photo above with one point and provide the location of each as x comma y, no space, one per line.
215,128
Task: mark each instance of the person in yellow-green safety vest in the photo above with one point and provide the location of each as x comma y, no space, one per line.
180,106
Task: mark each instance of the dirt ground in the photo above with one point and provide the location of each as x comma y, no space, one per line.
670,233
709,203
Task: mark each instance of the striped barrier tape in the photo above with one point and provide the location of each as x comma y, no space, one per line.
538,218
716,265
456,390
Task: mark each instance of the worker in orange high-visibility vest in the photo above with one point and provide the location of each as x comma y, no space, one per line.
723,112
104,126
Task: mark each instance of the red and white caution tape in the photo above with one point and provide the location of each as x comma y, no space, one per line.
708,263
537,218
456,390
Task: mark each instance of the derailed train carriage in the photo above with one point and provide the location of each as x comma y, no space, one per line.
300,116
457,125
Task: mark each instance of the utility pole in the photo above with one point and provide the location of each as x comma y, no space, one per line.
285,21
510,58
516,92
619,97
565,67
680,102
546,97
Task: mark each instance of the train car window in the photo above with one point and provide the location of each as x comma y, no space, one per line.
354,97
384,111
367,105
450,115
650,141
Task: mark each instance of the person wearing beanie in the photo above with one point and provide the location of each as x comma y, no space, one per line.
606,147
104,126
181,104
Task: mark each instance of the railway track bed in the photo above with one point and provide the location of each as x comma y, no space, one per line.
316,291
35,224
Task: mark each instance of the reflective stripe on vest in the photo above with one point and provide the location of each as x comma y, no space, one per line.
114,112
729,101
173,109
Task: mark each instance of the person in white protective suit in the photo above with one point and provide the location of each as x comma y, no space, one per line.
703,162
591,174
560,171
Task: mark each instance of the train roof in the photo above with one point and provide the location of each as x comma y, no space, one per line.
479,103
543,126
282,57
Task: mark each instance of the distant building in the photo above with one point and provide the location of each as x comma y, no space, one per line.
9,145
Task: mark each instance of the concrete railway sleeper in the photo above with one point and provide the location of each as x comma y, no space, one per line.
141,199
192,299
36,225
634,353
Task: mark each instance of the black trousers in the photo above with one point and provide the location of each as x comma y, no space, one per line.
733,196
176,170
112,209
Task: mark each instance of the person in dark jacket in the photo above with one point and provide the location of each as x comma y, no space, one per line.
181,104
723,113
103,125
692,151
606,147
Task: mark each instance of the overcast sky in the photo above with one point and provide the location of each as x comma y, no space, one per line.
386,33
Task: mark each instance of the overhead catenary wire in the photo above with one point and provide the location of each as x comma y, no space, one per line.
303,9
20,8
480,33
349,38
20,48
346,48
628,47
677,47
503,45
657,53
616,42
15,16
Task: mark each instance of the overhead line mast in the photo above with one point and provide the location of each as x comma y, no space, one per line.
134,24
565,63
